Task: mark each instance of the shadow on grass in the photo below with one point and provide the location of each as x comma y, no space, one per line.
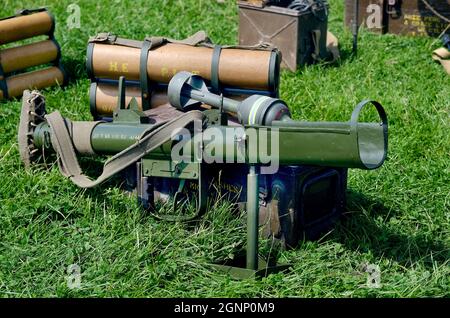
75,68
346,55
125,181
360,231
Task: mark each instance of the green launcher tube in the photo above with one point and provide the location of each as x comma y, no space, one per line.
331,144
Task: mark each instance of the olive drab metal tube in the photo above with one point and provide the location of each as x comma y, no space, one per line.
267,121
337,144
330,144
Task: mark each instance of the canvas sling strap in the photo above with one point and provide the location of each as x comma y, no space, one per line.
442,56
150,140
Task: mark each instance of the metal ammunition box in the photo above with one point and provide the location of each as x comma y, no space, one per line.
301,36
306,201
415,18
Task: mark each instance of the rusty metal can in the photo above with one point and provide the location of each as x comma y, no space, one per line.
299,32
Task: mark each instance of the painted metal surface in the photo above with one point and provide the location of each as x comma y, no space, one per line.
328,144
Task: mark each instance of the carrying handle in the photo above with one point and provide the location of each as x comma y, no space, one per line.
30,11
201,203
357,111
22,12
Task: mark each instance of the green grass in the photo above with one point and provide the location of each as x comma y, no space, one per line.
398,216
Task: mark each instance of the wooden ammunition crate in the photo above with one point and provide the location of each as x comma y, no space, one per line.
405,17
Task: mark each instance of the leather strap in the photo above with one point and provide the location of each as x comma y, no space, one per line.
442,56
151,139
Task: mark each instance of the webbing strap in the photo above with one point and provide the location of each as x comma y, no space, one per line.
193,40
198,39
3,83
442,56
149,44
215,83
150,140
143,74
157,41
109,38
23,12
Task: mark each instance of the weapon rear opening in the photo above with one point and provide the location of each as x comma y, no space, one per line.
372,137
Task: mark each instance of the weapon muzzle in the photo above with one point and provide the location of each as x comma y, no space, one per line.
338,144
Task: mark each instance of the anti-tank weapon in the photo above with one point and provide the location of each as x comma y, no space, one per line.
306,192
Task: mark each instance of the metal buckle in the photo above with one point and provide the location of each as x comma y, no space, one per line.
103,37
